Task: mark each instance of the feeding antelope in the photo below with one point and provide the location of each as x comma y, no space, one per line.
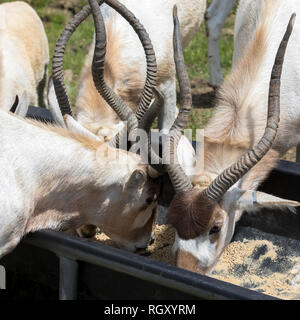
65,177
241,142
125,67
24,55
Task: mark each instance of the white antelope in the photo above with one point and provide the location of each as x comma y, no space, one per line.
125,67
61,178
24,55
55,178
239,149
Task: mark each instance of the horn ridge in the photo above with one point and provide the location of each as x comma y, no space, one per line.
57,61
180,181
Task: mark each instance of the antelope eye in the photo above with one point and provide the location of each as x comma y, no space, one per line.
214,229
150,200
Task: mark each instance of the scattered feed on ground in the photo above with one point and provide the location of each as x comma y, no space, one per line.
255,260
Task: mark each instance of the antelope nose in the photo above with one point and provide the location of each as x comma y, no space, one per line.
151,241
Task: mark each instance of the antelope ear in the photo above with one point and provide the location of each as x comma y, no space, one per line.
137,179
20,106
76,127
23,105
186,156
53,104
15,105
252,200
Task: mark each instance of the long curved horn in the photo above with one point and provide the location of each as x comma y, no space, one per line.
58,56
116,103
57,68
178,177
183,79
150,62
153,111
98,63
149,52
124,112
143,116
231,175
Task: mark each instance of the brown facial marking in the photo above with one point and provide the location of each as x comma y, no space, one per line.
191,213
216,225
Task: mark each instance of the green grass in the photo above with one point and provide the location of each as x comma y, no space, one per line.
195,54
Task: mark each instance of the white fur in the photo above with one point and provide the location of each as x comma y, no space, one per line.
246,21
186,156
50,180
24,54
201,247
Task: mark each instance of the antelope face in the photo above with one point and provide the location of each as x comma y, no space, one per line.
126,210
132,217
203,229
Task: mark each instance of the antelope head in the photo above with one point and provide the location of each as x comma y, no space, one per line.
205,217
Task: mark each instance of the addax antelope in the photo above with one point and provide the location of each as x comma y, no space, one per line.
244,139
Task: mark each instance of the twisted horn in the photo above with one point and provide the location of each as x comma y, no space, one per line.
57,67
153,111
125,112
231,175
149,52
178,177
100,55
183,79
117,104
58,56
